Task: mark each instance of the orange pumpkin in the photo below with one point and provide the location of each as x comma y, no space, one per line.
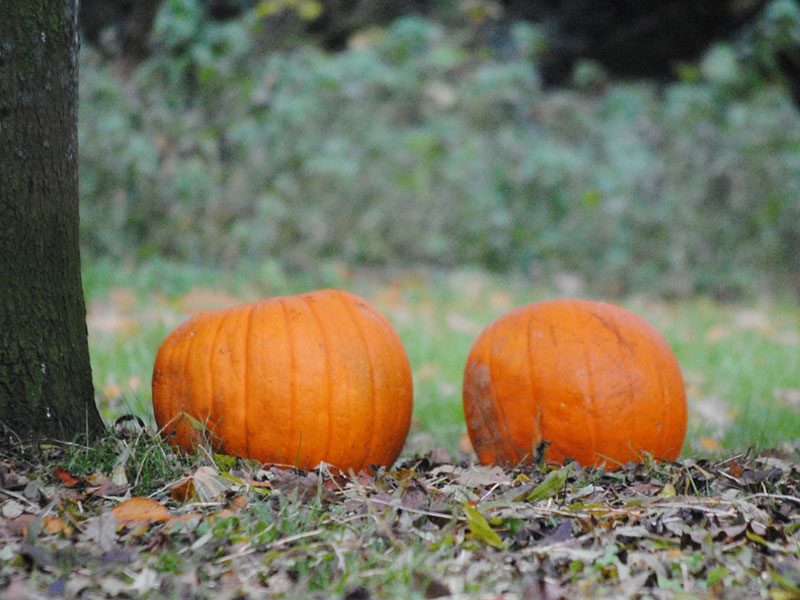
595,380
294,380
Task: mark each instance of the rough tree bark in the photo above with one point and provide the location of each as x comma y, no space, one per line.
45,376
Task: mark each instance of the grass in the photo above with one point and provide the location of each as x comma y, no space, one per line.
435,525
740,361
422,530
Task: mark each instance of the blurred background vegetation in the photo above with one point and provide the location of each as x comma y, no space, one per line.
444,134
450,160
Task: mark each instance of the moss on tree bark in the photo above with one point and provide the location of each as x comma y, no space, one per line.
45,376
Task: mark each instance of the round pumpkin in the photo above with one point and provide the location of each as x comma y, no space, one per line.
293,380
595,380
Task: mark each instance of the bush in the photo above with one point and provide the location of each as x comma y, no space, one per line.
413,146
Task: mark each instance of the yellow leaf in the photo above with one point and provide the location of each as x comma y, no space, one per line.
668,491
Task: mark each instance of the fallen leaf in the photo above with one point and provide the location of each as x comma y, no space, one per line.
483,476
735,468
182,490
190,520
305,485
562,533
136,510
480,527
52,524
208,484
10,479
668,491
19,525
12,509
107,488
238,503
551,485
119,476
102,530
66,477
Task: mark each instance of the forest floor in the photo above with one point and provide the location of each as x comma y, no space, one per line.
129,518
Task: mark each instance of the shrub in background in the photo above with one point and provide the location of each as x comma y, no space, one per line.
416,146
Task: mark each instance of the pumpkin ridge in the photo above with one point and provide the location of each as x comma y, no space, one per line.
635,425
165,385
292,386
365,342
667,426
505,437
591,401
189,406
474,410
662,450
328,379
536,412
214,420
181,403
245,374
172,385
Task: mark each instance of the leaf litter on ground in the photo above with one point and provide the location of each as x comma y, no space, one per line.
427,528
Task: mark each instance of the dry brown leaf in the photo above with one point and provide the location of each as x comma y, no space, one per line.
137,510
482,476
208,484
10,479
52,524
182,490
238,503
188,518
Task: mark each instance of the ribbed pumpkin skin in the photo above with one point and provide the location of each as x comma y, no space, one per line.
294,380
594,379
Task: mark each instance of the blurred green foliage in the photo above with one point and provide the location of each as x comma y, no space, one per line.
418,145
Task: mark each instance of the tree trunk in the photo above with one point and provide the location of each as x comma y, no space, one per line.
45,376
